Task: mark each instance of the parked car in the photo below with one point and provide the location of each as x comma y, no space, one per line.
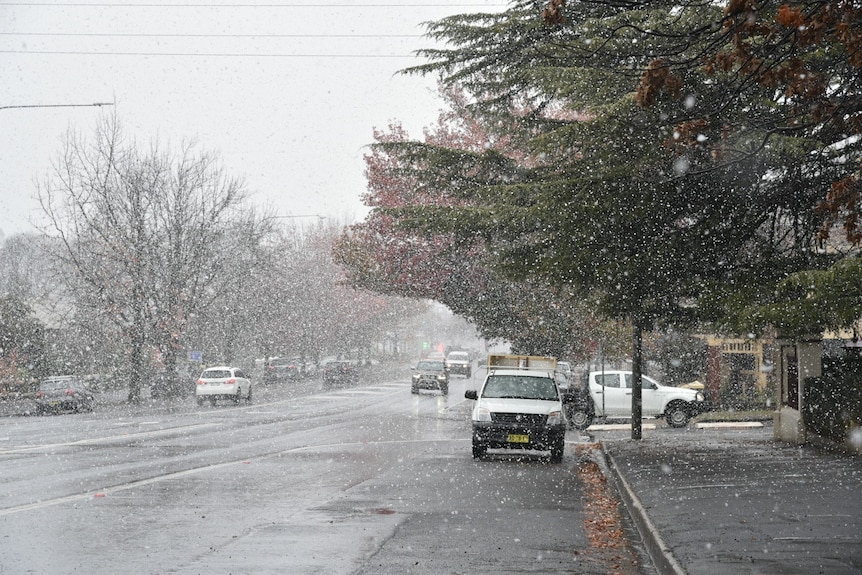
279,369
458,362
63,394
518,409
339,372
609,395
563,374
430,374
225,382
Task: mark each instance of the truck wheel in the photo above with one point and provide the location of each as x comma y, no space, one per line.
479,449
444,389
414,389
676,414
580,418
557,451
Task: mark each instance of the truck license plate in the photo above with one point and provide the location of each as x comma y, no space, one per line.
519,439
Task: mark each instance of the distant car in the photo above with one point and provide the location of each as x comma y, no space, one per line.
563,375
63,394
430,374
458,362
223,382
280,369
565,368
339,372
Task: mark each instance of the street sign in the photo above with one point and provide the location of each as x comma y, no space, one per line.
197,356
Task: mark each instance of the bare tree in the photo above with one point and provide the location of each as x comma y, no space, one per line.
146,235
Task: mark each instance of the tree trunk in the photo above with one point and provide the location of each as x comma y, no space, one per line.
136,367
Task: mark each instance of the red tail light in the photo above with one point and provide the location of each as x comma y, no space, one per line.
40,394
200,382
70,392
232,380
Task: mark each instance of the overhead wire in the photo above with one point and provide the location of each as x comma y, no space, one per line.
254,5
265,36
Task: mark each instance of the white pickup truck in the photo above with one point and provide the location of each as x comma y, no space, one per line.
610,397
518,406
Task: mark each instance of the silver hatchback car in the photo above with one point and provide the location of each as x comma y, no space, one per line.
226,382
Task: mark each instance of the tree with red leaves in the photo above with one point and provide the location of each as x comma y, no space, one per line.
386,255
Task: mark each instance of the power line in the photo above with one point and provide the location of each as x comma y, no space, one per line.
135,35
201,55
256,5
96,104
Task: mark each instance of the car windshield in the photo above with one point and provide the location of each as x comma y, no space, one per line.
520,387
216,374
430,366
458,357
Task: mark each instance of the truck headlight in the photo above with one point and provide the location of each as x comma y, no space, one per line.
441,377
555,418
415,377
483,414
699,396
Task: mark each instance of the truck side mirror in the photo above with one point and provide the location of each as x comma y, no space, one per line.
471,394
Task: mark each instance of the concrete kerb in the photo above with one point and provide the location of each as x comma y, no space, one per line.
662,557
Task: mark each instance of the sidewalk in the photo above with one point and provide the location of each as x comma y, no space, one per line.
732,501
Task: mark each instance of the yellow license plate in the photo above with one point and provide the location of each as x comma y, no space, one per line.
519,439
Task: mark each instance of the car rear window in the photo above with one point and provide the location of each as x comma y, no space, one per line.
216,374
431,366
58,385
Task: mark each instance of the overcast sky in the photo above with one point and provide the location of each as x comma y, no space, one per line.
288,93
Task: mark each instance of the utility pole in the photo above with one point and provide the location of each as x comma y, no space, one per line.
637,381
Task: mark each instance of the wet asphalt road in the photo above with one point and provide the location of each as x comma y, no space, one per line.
366,479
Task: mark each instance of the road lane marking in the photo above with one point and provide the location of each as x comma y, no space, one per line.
100,493
109,439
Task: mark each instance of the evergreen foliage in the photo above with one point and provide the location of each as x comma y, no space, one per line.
674,160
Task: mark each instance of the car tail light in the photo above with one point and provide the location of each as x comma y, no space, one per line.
70,392
40,394
200,382
232,380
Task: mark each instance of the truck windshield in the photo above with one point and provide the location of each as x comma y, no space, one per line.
520,387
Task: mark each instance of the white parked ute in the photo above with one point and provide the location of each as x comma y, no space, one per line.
518,407
610,396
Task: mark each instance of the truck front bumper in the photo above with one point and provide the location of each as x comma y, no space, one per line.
498,436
